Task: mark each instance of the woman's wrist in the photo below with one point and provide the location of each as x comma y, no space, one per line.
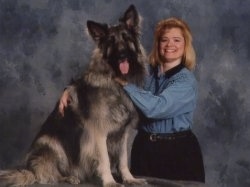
124,83
121,81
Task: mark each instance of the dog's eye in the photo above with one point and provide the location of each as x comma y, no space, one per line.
125,36
111,39
128,38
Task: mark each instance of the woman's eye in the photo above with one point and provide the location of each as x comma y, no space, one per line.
164,40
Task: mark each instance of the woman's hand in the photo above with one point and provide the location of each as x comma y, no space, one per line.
121,81
64,101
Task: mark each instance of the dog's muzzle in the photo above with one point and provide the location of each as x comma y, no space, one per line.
123,55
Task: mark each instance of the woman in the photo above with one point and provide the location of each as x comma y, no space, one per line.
165,146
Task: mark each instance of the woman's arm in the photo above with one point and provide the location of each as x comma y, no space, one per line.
176,99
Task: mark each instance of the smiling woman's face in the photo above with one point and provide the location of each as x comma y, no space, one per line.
171,45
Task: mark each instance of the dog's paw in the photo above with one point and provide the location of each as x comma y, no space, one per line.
135,181
72,180
113,184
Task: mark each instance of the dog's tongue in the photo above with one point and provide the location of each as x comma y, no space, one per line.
124,67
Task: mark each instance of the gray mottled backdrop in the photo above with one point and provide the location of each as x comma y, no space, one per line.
43,45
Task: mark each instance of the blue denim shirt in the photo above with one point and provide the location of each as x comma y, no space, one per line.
167,100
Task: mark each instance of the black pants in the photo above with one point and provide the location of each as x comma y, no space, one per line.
178,158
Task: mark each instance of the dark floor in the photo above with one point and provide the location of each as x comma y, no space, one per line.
151,182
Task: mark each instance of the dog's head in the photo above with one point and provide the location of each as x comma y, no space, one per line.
120,47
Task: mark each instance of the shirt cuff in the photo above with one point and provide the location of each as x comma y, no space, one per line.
130,87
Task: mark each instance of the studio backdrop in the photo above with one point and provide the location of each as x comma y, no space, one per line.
43,44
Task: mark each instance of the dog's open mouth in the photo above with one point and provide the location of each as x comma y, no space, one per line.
124,66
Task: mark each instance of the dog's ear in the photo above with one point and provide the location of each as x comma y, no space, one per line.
97,30
131,19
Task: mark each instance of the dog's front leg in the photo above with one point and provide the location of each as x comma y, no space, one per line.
123,164
103,168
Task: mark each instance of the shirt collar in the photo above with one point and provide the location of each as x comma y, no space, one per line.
169,73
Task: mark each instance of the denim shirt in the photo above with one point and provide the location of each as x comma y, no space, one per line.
167,100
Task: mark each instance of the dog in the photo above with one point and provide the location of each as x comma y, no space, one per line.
89,142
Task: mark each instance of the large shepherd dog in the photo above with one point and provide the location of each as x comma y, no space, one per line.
91,137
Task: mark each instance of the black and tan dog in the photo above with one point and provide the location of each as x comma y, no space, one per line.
91,137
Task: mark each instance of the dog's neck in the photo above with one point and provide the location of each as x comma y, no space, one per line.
98,74
98,80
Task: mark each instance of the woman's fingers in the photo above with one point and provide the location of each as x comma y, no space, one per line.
63,103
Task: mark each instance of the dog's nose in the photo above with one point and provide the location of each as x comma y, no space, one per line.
123,55
121,60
